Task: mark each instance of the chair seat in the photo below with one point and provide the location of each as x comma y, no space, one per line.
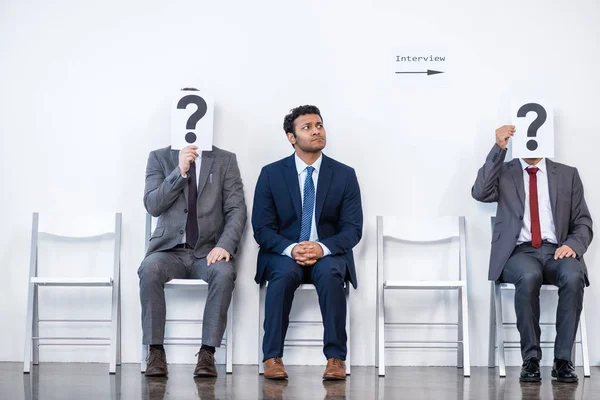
186,282
510,286
67,281
424,284
306,286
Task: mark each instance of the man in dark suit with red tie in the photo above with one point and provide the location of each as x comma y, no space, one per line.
307,217
542,229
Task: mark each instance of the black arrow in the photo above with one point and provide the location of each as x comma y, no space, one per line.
428,72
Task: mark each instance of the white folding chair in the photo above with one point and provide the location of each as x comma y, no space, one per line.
192,284
497,341
423,230
73,228
310,342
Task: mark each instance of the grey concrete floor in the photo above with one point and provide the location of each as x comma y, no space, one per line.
92,381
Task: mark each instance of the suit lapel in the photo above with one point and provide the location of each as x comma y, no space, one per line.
323,186
517,175
205,164
290,175
552,185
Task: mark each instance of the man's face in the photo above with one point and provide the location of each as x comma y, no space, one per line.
310,133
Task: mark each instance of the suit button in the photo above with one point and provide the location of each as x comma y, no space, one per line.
181,232
521,217
185,211
516,236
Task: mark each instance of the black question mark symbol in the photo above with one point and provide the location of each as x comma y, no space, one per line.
190,137
536,124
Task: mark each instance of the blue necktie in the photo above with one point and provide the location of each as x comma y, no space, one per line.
308,206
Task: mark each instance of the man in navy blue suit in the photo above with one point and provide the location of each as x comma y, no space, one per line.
307,217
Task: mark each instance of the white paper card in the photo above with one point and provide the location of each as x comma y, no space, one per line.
192,120
534,125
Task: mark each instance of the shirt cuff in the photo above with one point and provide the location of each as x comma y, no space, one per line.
288,250
326,251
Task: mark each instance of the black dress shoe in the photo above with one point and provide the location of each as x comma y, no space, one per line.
564,371
530,371
206,364
156,363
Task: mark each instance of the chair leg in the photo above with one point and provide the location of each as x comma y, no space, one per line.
112,368
465,332
229,348
144,356
492,332
584,343
348,342
460,338
500,329
119,325
36,325
381,329
261,320
28,330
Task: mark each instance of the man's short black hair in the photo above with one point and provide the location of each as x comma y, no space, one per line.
288,121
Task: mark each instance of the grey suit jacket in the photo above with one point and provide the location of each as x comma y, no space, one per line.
221,208
503,182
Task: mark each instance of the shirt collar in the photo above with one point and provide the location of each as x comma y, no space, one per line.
541,165
301,165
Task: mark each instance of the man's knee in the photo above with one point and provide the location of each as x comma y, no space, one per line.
327,272
287,276
223,273
151,270
572,276
530,281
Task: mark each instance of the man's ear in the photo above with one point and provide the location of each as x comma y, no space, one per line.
291,138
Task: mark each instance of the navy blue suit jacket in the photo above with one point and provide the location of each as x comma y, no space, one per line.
277,211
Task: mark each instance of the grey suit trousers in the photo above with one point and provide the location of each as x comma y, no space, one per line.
527,268
160,267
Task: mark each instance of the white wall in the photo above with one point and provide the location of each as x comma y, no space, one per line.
84,96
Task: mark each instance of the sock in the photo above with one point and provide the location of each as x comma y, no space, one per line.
157,347
208,348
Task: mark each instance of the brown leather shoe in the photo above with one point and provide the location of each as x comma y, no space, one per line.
335,371
274,369
156,363
206,364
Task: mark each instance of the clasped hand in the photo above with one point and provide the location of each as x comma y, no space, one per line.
307,253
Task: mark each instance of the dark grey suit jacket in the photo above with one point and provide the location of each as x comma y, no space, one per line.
221,208
503,182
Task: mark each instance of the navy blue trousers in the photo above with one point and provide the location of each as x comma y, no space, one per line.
285,276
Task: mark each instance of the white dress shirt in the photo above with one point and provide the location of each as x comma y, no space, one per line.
198,161
545,210
301,169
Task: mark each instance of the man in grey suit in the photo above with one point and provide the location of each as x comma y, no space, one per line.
199,202
542,229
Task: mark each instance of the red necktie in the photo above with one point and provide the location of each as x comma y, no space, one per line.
536,231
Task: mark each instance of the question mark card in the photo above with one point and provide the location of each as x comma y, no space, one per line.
192,120
534,124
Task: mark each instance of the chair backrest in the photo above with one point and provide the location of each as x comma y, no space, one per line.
76,228
421,230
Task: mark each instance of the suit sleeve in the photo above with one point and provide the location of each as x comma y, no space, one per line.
580,229
351,220
160,192
234,208
485,188
264,218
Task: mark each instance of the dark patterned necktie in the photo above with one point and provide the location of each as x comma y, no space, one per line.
191,226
